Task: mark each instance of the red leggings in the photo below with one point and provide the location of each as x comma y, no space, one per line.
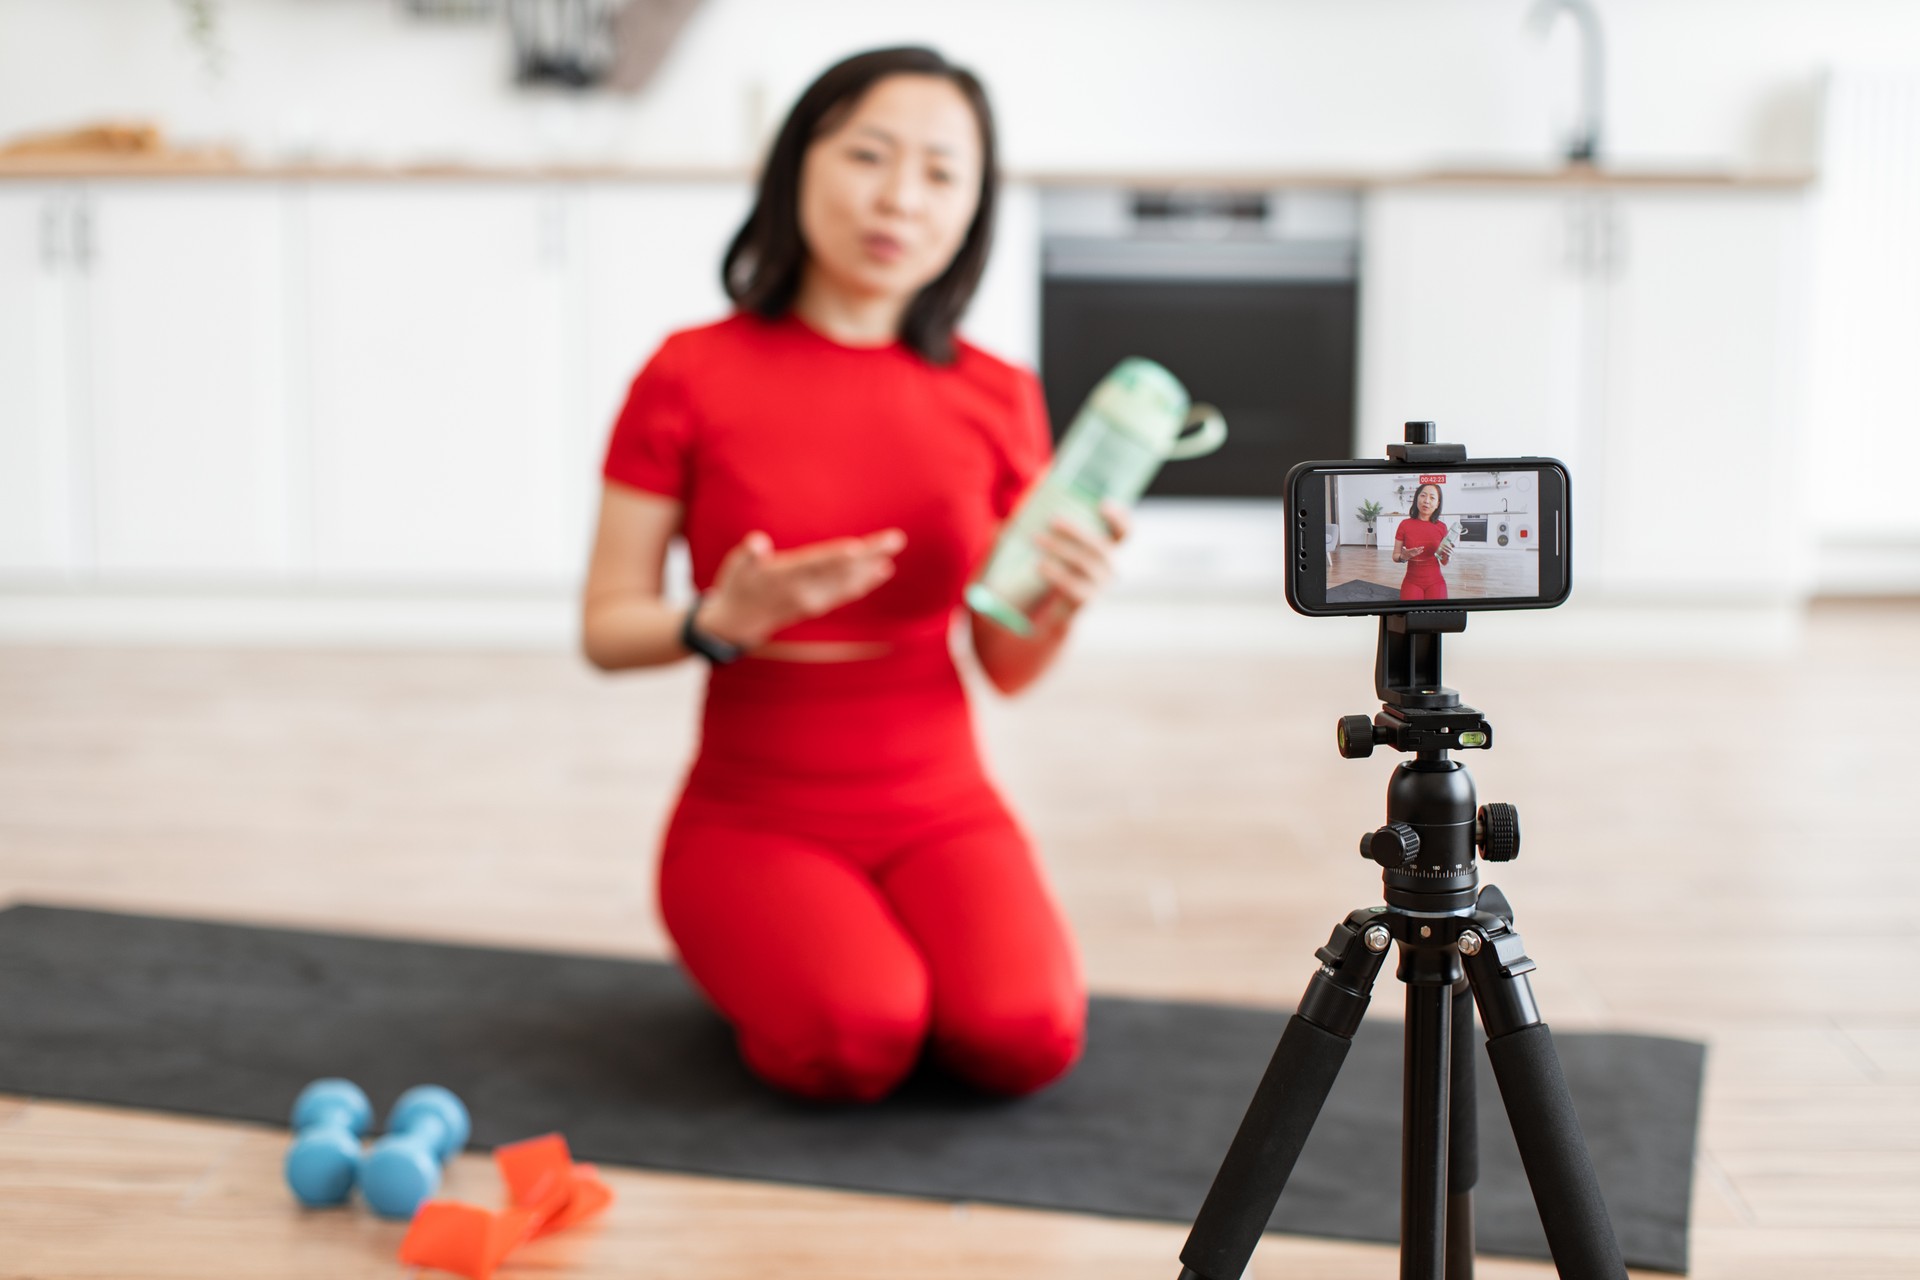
848,889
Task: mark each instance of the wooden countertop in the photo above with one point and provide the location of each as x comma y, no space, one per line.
68,167
44,168
1570,176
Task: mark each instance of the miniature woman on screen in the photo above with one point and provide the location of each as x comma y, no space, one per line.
1416,543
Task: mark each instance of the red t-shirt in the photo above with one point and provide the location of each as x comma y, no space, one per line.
766,424
1415,532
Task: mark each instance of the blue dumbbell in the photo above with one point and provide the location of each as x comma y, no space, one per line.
426,1127
328,1118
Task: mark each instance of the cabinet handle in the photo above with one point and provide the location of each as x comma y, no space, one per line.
1577,257
82,233
553,233
1614,259
50,239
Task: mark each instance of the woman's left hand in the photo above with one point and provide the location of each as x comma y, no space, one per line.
1077,563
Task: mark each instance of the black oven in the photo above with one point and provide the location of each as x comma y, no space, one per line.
1249,298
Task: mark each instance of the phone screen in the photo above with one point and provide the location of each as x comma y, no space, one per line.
1490,534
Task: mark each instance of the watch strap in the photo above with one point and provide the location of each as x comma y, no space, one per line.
711,647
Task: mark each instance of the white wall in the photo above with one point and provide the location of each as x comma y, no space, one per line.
1079,84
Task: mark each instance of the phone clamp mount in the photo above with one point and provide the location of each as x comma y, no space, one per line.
1457,948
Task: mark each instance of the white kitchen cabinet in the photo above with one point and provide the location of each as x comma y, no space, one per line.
442,341
1472,316
656,253
1476,314
1703,396
40,526
355,384
142,397
1647,336
186,376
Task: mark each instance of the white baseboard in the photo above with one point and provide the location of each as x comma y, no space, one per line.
1584,627
520,620
1868,566
1247,622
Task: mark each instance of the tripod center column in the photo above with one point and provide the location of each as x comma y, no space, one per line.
1430,972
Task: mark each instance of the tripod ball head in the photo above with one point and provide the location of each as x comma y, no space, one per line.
1497,832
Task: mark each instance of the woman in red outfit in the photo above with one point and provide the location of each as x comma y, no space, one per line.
839,875
1417,543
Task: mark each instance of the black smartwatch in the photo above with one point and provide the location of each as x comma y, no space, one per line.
710,647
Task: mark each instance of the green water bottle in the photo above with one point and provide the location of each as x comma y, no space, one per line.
1135,420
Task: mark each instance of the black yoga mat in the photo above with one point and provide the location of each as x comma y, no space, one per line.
623,1058
1360,591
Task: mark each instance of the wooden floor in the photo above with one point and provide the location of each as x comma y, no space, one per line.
1470,574
1718,850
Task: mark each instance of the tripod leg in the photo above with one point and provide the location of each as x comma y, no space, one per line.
1463,1144
1552,1147
1287,1102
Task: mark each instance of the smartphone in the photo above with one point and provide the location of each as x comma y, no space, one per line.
1393,537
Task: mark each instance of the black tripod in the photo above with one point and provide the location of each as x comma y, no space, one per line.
1456,947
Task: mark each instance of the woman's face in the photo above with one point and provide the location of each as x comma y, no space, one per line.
1425,501
888,192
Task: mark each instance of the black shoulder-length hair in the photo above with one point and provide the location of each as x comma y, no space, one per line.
761,272
1439,501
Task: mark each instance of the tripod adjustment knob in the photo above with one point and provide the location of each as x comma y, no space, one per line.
1498,832
1356,737
1393,846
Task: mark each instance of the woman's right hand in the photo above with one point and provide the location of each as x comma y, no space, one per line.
757,590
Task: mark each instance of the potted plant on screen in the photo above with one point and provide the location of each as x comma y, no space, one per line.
1369,512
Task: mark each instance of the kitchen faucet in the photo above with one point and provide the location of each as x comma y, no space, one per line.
1584,146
